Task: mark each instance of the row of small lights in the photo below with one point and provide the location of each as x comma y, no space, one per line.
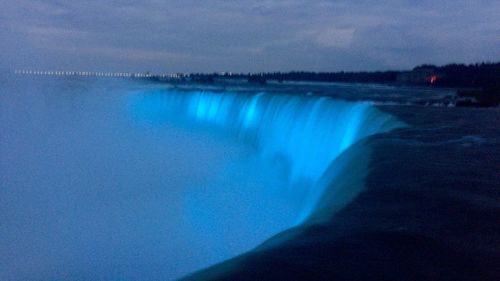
96,74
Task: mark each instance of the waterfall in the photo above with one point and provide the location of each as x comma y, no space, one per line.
165,182
306,132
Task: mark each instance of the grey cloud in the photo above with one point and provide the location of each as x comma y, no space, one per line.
245,36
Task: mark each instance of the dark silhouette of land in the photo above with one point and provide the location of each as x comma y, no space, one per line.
452,75
478,84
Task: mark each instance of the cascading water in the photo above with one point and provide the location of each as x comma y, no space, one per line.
101,182
306,133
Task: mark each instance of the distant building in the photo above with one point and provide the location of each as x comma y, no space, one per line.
426,74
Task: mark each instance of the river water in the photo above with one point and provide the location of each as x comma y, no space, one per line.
107,179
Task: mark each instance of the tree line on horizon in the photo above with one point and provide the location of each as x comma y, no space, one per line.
479,75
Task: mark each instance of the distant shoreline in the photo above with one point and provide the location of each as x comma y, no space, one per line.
477,85
452,75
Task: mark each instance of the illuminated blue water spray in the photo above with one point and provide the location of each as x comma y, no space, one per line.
308,132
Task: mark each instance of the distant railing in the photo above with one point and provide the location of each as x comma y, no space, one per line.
98,74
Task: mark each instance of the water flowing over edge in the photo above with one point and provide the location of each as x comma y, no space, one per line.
307,133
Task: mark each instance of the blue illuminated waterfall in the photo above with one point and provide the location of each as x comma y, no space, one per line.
107,180
307,133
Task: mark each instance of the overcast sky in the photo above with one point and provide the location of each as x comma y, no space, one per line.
248,36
